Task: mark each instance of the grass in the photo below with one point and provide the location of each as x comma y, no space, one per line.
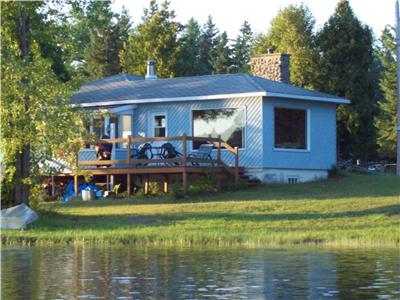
353,210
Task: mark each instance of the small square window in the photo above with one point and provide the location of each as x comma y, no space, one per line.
159,126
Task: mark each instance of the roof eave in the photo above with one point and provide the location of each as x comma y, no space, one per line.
164,100
311,98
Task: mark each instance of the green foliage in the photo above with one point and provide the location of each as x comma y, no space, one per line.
37,120
333,172
178,191
221,61
241,50
154,38
154,189
291,32
94,37
205,184
345,46
37,195
240,185
386,120
106,41
188,61
207,46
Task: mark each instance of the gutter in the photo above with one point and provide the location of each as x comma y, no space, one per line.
212,97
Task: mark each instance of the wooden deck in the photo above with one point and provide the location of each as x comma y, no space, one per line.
183,165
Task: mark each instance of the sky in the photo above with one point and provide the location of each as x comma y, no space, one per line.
229,15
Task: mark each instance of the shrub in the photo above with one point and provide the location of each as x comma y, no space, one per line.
240,185
177,191
37,194
333,172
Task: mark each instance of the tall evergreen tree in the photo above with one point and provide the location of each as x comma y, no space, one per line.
189,50
241,50
106,37
291,32
386,120
221,61
154,38
207,50
345,47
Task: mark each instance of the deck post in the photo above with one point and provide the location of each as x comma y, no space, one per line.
236,164
76,175
76,185
146,186
129,151
53,186
128,160
219,150
128,184
184,155
165,184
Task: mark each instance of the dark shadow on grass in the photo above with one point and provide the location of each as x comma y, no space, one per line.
56,221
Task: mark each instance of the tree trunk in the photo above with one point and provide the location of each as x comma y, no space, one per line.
22,162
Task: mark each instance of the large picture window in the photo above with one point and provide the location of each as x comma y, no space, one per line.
290,128
227,122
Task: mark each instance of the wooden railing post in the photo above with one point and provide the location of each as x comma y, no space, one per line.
129,151
236,164
219,150
184,156
128,176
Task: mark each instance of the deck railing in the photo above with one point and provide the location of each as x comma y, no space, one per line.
182,161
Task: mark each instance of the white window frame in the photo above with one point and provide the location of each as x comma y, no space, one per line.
244,107
150,125
120,126
308,130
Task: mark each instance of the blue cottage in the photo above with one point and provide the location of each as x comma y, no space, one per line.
284,133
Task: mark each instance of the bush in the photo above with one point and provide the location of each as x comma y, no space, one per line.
240,185
333,172
36,195
177,191
154,191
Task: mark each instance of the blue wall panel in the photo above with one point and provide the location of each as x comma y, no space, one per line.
322,152
179,121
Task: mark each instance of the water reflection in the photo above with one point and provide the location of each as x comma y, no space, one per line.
197,273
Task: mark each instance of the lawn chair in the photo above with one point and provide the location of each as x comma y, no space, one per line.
142,152
168,151
204,152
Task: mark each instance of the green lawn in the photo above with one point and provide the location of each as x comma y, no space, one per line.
354,210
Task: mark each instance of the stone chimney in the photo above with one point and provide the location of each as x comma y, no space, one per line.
151,70
273,66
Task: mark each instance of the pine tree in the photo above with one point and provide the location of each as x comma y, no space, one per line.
221,62
241,50
106,38
207,50
189,50
345,47
386,120
154,38
291,32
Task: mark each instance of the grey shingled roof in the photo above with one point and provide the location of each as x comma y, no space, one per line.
119,89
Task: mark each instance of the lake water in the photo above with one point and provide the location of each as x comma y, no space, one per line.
129,272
